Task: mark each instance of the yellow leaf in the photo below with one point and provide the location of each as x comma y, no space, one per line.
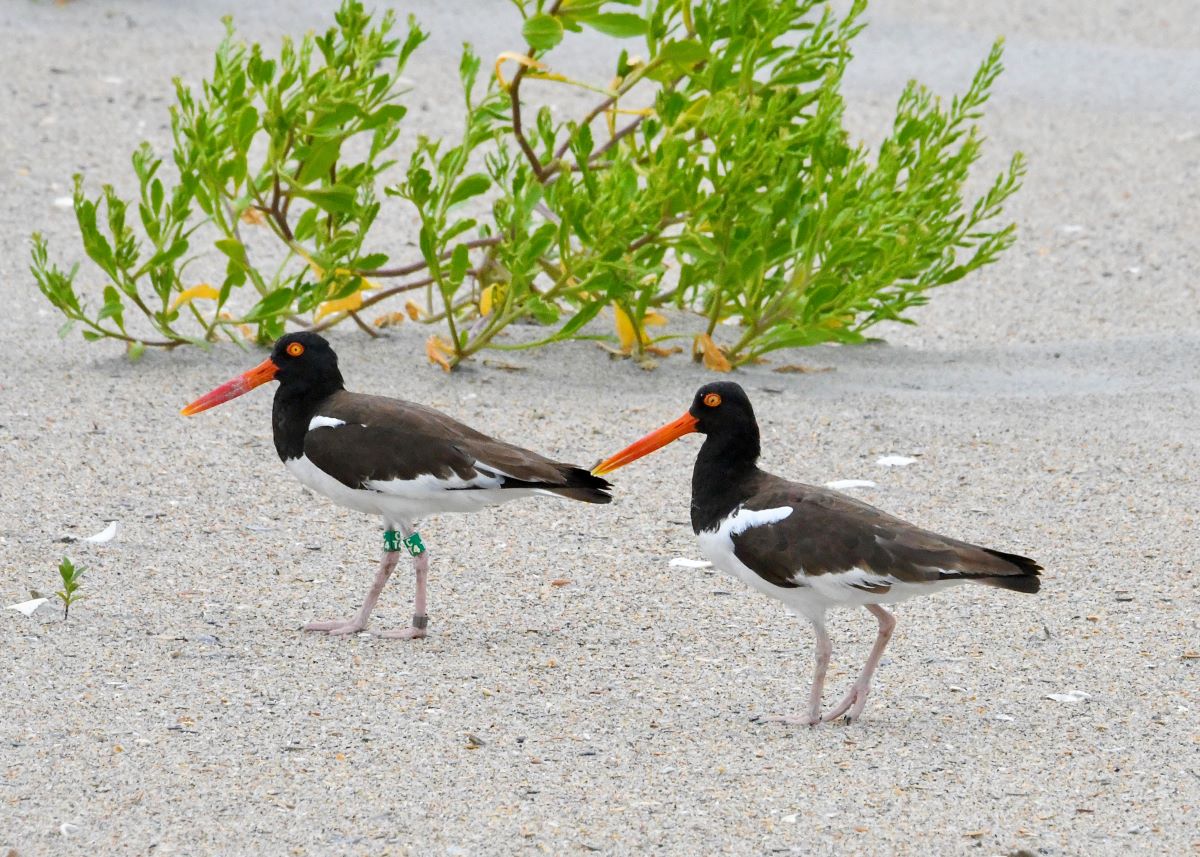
521,59
346,304
485,300
414,311
203,291
540,71
630,111
714,357
437,350
625,330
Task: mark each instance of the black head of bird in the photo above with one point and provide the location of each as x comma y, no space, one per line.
721,410
303,363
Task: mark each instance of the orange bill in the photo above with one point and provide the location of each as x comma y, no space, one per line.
655,440
244,383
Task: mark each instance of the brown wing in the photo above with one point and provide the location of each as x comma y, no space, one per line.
385,439
829,532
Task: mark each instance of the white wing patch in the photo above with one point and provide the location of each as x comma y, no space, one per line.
324,422
744,519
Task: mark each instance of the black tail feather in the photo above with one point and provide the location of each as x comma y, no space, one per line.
577,484
582,485
1027,578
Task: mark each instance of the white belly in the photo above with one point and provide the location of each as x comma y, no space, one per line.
405,500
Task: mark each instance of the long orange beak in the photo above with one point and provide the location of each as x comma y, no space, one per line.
655,440
244,383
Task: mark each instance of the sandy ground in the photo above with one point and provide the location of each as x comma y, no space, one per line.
1051,403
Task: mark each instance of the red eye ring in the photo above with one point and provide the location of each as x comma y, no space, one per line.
295,349
712,399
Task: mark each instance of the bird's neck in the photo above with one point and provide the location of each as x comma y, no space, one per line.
295,406
726,463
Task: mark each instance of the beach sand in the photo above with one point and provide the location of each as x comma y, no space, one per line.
1050,401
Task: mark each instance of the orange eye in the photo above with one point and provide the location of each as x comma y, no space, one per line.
712,399
295,349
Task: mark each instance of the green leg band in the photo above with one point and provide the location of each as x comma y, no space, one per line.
414,544
391,541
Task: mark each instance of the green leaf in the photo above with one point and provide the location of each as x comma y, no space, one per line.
459,263
428,244
232,248
336,199
472,185
113,308
272,305
136,350
371,261
247,125
544,311
386,115
320,158
542,32
622,25
683,53
306,225
457,229
577,321
540,241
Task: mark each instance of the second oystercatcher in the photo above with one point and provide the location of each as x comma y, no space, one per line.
808,547
396,459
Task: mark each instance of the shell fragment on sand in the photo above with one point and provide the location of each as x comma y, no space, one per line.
681,562
27,607
106,535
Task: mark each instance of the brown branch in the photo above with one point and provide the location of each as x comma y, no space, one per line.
587,120
514,96
419,266
617,137
655,233
363,325
555,169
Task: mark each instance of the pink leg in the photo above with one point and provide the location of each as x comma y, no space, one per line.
356,624
855,700
420,619
812,717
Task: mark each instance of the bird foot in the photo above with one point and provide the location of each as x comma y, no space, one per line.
415,631
851,706
409,633
337,627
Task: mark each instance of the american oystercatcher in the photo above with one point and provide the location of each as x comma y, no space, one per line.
392,458
812,548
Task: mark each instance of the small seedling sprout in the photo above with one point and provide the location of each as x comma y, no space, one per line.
70,575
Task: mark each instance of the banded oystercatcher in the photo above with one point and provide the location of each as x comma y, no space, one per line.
808,547
392,458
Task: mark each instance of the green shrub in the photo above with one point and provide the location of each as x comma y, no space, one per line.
730,189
